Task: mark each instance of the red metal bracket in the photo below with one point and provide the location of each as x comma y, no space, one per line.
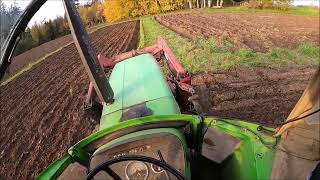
161,48
173,62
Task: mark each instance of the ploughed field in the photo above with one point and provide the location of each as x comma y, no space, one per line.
256,31
263,95
41,112
22,60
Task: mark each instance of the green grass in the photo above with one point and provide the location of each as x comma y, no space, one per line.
141,37
204,55
305,11
97,27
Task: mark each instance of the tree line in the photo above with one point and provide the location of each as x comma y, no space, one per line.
204,3
115,10
92,13
8,16
39,33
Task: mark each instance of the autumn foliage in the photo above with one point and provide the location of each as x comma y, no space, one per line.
115,10
91,14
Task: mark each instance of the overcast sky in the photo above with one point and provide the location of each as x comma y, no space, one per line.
50,10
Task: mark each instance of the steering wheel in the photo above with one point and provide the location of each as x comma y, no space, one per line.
105,166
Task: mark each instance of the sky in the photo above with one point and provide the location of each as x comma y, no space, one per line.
50,10
305,3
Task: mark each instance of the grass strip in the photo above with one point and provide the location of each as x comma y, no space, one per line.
208,55
141,37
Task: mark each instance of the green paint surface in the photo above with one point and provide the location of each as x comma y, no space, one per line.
56,168
134,81
252,160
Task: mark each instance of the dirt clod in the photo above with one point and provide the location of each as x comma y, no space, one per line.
259,95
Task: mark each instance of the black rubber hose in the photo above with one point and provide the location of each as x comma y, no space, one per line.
298,118
135,158
114,175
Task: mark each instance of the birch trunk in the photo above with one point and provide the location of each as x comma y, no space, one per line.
221,2
190,4
209,3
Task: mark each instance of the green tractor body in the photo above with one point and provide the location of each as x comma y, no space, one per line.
141,90
144,132
139,85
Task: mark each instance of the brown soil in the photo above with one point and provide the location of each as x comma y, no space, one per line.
34,54
266,96
41,115
256,31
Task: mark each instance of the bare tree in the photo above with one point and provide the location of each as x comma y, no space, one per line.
198,4
221,2
190,4
209,3
217,3
204,4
